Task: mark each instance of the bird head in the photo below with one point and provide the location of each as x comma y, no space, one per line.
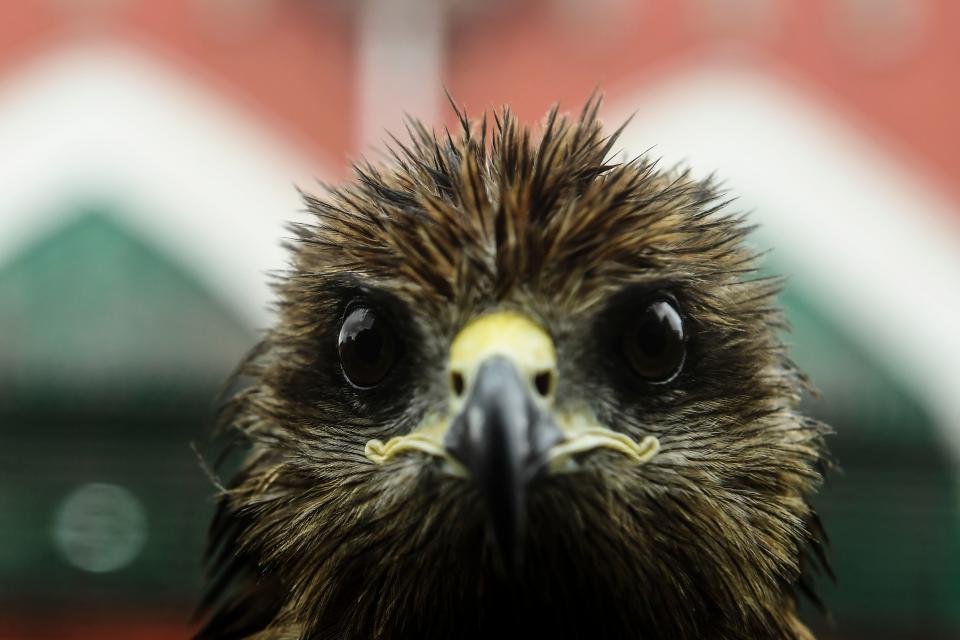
511,375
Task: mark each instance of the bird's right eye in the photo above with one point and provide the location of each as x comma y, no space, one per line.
367,345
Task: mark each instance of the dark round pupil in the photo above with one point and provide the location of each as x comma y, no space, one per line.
656,345
367,347
368,344
653,336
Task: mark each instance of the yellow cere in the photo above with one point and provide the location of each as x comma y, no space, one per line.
503,333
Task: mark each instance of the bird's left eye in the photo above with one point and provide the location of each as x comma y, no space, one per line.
654,342
367,346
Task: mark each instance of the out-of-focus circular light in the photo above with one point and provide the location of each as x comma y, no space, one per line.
100,527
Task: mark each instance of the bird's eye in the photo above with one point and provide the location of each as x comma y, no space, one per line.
367,345
655,342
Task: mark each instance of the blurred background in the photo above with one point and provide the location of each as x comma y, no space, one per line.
149,151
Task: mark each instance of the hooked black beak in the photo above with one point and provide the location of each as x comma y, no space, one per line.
503,437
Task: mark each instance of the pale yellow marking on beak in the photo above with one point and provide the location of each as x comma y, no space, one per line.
581,430
427,438
531,349
584,433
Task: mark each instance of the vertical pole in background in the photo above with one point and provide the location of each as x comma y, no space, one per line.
400,66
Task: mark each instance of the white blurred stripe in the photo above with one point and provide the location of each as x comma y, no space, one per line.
192,173
401,65
860,227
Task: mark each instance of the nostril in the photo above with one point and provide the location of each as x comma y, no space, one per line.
543,381
456,382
